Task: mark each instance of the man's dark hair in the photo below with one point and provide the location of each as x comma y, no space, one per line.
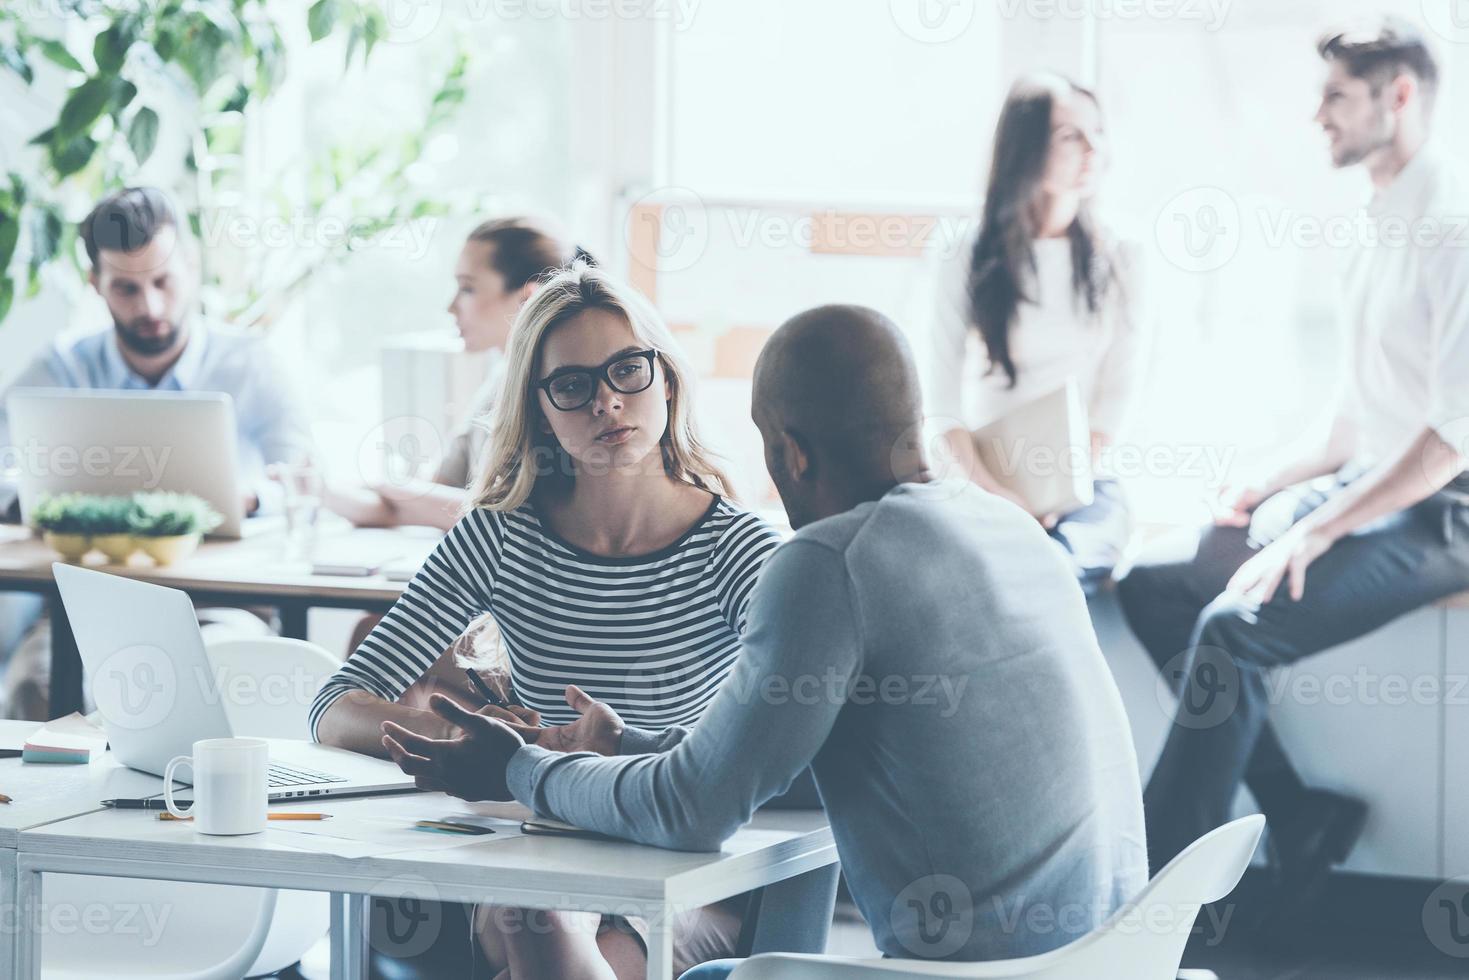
1380,50
125,221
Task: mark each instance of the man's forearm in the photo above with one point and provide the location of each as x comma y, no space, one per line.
1425,467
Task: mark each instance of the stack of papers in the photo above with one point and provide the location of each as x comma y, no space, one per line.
71,739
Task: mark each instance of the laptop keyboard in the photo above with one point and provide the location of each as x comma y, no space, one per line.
282,776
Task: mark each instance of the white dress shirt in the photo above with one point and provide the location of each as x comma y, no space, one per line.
1407,310
1053,338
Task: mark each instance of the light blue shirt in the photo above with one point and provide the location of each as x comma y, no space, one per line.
930,657
271,423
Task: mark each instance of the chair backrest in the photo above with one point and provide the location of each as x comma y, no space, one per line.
268,683
1144,940
176,929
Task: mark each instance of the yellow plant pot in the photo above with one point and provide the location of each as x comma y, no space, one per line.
167,550
71,547
117,547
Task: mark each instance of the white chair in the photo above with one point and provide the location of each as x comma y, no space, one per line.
267,683
185,931
1144,940
94,926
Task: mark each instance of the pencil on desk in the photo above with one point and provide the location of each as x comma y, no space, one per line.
5,799
269,816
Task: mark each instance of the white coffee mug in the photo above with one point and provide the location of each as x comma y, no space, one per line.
230,785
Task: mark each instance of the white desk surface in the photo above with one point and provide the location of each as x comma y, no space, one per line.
44,793
540,871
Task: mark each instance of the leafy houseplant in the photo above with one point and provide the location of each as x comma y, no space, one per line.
74,523
130,63
168,526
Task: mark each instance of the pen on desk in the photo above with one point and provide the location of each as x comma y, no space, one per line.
268,816
484,689
135,804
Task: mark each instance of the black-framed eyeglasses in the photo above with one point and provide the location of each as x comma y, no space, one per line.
573,388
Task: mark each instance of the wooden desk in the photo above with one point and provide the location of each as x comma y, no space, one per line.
248,572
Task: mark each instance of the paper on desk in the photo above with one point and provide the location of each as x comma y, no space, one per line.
364,836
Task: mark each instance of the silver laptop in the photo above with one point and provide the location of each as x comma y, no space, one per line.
116,442
157,695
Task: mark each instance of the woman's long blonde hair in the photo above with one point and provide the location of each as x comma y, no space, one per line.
519,451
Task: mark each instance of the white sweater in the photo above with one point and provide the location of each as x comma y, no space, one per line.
1051,340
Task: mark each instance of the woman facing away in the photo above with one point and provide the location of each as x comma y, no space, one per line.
500,267
1043,295
599,539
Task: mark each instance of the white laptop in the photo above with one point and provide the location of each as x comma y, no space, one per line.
118,442
1041,451
157,695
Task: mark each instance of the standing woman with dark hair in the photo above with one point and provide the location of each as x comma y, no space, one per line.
1042,296
502,264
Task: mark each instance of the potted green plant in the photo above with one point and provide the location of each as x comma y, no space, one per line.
111,526
168,526
64,521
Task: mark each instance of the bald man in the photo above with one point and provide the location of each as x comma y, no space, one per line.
922,646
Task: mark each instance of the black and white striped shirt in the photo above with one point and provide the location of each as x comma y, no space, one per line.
653,635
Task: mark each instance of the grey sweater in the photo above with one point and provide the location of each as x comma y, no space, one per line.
929,655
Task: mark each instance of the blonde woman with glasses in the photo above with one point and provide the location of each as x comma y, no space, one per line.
601,541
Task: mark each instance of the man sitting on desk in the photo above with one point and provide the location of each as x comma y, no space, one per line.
922,646
145,266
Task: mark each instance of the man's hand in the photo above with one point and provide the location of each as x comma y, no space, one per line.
1288,556
470,766
599,729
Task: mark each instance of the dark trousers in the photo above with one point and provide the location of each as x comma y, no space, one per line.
1218,649
1094,536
